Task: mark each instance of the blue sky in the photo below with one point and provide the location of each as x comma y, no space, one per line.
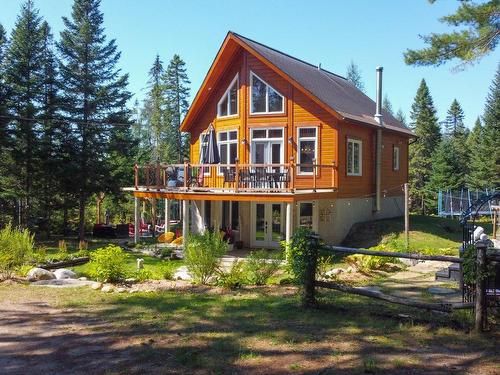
332,33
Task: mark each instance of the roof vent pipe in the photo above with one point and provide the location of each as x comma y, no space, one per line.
378,160
378,100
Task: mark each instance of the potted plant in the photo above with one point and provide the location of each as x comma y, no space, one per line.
229,238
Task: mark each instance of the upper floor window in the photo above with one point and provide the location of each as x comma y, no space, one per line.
264,98
228,104
228,147
203,145
354,157
395,158
306,148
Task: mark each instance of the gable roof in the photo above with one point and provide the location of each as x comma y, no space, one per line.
332,91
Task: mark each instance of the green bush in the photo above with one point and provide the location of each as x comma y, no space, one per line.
261,266
16,249
142,274
166,252
167,272
234,278
299,254
108,264
366,263
324,265
202,255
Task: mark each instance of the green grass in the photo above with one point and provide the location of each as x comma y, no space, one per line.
428,234
264,330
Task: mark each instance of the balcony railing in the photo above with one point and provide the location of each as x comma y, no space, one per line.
272,178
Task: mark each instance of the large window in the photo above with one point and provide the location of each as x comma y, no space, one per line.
228,147
395,158
354,157
228,104
230,215
265,99
307,149
203,145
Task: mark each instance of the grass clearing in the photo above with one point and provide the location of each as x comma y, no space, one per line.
253,330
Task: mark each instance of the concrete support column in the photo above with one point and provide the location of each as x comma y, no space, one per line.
185,219
288,222
137,219
167,215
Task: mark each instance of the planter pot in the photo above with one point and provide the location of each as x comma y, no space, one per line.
230,247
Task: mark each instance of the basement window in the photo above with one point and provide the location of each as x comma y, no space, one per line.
228,104
265,99
354,157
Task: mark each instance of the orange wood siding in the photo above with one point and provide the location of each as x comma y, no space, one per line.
391,179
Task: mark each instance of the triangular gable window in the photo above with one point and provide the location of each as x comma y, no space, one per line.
228,104
265,99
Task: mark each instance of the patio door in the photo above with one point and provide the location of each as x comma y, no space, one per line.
267,152
267,224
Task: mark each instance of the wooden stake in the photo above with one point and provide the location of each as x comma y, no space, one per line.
407,217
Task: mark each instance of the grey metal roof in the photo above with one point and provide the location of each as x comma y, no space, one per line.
331,89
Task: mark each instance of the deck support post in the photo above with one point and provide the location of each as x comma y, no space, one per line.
167,215
288,222
185,220
137,218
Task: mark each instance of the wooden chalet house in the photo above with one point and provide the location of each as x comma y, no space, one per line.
298,145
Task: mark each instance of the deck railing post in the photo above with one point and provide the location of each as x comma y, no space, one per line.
333,174
237,175
314,174
481,271
309,294
136,176
186,173
292,175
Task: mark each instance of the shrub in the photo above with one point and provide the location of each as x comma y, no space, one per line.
299,254
202,255
261,266
16,248
108,264
166,253
142,274
324,265
234,278
366,263
167,272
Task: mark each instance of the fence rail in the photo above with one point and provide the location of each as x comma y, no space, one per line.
287,177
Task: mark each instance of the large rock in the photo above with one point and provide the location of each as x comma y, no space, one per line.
37,274
63,273
107,288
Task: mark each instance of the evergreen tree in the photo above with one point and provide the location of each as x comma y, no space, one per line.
95,95
24,75
401,117
426,127
454,123
491,132
445,173
386,105
478,171
353,75
177,94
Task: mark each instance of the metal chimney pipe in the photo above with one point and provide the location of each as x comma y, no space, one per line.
378,159
378,100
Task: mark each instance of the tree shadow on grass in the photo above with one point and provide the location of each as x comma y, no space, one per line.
240,332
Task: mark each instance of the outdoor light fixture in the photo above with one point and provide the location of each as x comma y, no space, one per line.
290,140
244,141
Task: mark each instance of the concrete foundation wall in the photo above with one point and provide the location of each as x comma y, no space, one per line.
337,217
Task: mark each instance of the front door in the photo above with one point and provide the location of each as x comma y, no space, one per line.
267,219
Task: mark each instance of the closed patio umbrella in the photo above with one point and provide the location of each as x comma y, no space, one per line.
212,151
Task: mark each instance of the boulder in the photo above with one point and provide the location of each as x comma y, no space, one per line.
107,288
63,273
333,272
121,290
96,285
37,274
82,279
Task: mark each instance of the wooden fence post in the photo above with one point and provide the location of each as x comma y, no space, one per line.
480,318
309,294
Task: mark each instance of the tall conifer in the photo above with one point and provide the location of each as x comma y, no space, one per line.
426,127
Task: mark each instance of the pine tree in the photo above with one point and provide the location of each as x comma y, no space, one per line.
478,171
177,94
386,105
25,76
491,132
445,172
95,96
426,127
353,75
454,123
401,117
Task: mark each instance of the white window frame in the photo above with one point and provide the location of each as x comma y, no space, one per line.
268,139
227,142
267,112
226,94
396,154
360,143
314,214
230,214
299,139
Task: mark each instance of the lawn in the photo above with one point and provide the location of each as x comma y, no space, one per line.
427,234
254,330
